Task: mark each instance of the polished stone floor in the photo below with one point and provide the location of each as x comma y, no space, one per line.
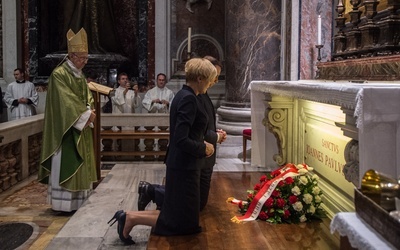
26,202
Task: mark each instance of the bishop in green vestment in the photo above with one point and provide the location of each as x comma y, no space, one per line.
67,159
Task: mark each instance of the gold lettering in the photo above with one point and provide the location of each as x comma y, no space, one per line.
333,164
331,146
314,153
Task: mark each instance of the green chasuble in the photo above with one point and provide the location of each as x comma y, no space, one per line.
67,99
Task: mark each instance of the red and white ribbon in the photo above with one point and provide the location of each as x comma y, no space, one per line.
263,194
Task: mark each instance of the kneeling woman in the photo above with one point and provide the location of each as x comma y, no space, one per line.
186,153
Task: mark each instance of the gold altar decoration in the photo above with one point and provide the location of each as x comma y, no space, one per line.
381,188
374,201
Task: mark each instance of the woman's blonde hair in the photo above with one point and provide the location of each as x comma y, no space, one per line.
200,67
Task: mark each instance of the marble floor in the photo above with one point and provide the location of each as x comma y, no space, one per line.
88,228
26,201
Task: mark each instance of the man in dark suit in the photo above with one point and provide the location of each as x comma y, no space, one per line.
154,192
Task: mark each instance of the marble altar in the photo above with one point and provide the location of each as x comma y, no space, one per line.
370,120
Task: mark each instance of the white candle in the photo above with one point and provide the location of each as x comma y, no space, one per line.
319,30
189,40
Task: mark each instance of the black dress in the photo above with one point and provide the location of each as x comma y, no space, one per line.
186,155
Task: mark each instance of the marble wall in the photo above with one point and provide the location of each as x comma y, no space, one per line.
253,36
308,35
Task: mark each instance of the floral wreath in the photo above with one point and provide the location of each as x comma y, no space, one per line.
289,194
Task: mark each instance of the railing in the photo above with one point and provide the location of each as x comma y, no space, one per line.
20,149
22,141
134,136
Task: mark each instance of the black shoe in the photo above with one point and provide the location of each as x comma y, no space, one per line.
120,230
115,217
144,195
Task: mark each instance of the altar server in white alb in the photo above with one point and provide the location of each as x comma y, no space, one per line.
126,97
158,99
21,96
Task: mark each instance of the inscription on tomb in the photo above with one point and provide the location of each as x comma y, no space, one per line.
324,147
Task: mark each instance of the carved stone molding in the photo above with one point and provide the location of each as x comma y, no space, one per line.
351,169
276,122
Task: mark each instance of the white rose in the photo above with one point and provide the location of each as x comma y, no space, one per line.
299,166
317,199
303,180
303,218
298,206
307,198
315,177
311,210
296,191
316,190
303,171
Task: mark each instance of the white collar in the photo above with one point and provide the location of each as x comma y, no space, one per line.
77,72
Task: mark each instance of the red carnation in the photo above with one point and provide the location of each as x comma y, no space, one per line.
280,203
292,199
269,202
275,173
286,214
250,196
263,178
289,180
276,193
241,204
263,216
281,184
257,187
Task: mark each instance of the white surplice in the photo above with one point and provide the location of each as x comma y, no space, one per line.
17,90
157,93
124,103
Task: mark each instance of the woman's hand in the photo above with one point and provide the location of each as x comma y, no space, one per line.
209,149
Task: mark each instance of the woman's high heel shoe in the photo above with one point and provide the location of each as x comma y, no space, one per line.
120,229
115,217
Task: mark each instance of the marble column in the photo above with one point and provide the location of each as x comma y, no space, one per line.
142,36
253,36
31,57
9,53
